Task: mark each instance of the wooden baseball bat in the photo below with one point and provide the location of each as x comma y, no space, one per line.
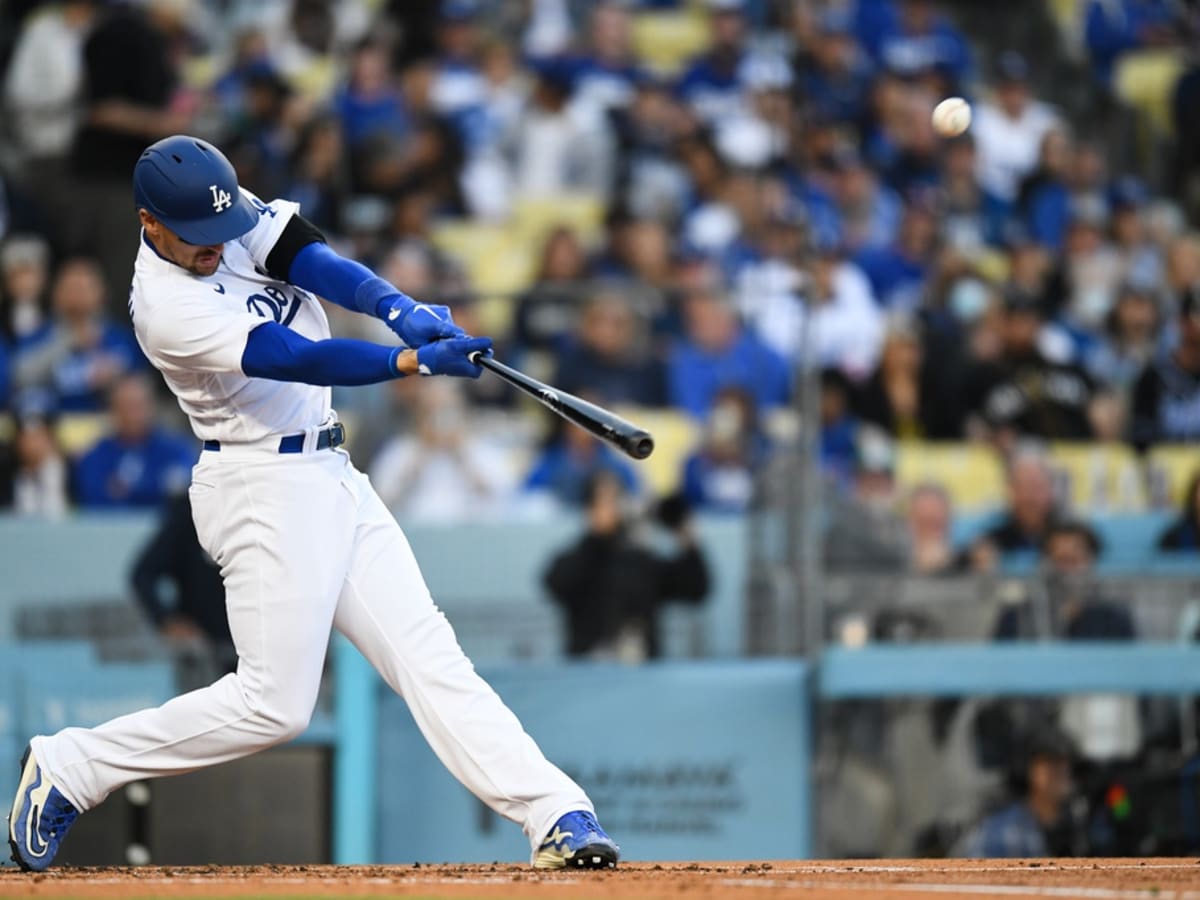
608,426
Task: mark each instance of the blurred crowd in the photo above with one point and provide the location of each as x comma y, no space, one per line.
771,203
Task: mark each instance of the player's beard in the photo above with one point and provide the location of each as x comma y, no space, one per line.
205,262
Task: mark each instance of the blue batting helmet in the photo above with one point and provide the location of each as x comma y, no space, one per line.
189,186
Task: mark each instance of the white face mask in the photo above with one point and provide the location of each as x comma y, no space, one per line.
968,299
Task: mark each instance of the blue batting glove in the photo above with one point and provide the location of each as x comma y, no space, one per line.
418,324
449,356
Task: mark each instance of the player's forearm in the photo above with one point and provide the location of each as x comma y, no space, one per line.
278,353
350,284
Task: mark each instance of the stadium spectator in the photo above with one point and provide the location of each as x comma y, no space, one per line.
971,217
555,152
811,307
1031,824
371,103
1183,535
1009,129
612,589
1031,513
1141,259
909,395
869,212
611,354
716,352
840,429
139,464
1044,196
923,43
130,77
605,76
261,139
719,476
439,471
250,54
865,533
1025,394
190,614
833,76
650,178
43,93
319,174
569,459
1131,340
40,477
458,90
24,275
928,516
1073,607
711,85
1166,398
70,364
546,313
1091,268
898,272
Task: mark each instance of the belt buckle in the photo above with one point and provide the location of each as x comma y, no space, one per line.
337,435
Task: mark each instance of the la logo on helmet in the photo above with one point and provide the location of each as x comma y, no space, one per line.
221,199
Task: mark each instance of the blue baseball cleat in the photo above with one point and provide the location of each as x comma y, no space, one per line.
41,817
578,842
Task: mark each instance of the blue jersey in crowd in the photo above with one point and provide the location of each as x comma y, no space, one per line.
72,380
114,475
695,376
566,474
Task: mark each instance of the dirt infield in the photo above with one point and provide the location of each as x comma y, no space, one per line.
1114,879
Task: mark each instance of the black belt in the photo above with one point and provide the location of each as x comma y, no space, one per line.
327,438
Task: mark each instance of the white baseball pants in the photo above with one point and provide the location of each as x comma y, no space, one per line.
305,544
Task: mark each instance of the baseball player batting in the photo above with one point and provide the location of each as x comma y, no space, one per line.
223,305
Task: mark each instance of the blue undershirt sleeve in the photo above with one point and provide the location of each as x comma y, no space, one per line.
349,284
280,354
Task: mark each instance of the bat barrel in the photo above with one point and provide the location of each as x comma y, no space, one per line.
607,426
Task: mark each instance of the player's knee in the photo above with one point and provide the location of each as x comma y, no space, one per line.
281,718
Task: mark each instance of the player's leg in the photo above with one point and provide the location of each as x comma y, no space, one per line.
387,612
282,534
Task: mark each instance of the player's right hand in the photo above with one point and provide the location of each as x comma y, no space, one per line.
450,356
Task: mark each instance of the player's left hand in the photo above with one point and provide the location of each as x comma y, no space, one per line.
418,324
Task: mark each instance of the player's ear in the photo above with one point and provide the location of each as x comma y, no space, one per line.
148,221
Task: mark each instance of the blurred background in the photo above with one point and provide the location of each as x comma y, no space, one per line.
908,393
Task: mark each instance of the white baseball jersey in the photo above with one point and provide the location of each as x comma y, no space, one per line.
305,545
193,329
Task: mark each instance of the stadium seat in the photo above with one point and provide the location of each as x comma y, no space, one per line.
972,474
535,217
1100,477
77,432
1169,471
665,41
498,264
675,436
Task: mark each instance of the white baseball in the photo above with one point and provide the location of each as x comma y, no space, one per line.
952,117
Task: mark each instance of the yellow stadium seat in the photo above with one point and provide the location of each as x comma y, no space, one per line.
1169,471
8,429
535,217
973,475
498,264
77,432
676,434
1100,477
1145,79
665,41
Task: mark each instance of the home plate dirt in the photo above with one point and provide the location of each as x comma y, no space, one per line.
1100,879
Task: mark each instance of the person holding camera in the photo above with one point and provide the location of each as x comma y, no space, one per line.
611,587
